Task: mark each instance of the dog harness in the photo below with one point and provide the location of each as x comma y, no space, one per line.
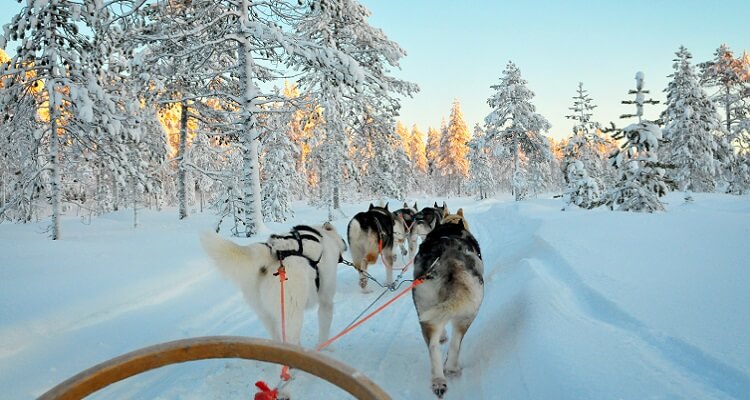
300,233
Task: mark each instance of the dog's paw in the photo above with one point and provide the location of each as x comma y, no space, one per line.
439,387
452,372
363,282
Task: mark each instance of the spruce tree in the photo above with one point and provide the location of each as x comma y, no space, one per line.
454,146
691,126
514,125
481,181
641,179
580,153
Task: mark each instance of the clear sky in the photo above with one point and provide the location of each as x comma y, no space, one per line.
457,49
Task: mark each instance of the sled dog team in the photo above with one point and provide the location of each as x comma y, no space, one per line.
449,261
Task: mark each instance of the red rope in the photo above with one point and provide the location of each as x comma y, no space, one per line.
325,344
282,278
266,393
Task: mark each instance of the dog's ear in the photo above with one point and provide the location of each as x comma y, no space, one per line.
415,206
445,206
406,205
371,207
386,206
460,212
435,205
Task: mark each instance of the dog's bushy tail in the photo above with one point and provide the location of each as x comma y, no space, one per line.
460,286
230,258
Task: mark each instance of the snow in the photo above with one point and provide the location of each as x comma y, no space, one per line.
571,311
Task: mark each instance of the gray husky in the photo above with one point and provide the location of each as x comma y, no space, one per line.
427,219
450,261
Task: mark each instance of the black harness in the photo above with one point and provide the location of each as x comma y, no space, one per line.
300,233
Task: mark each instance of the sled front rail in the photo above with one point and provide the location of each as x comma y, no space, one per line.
209,347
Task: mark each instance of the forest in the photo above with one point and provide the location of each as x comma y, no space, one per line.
242,107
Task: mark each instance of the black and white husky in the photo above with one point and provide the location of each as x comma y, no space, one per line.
372,233
451,262
310,256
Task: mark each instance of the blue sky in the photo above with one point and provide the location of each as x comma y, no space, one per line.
457,49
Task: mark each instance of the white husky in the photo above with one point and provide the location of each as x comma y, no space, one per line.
310,257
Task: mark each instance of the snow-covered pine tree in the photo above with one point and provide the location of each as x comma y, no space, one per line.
301,123
347,106
641,178
432,151
403,133
728,77
266,49
515,125
418,153
280,177
387,172
581,147
691,125
454,145
482,181
52,52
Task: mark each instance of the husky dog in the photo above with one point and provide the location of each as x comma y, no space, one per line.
427,219
405,216
450,261
371,233
310,258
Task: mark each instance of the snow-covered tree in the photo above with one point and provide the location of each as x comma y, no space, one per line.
417,150
729,77
56,55
641,178
278,168
387,174
582,190
454,164
349,104
403,133
691,125
581,150
515,125
481,181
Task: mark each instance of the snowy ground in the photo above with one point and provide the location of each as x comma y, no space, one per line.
578,305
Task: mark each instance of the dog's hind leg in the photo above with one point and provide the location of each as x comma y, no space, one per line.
431,334
389,259
460,326
362,268
325,317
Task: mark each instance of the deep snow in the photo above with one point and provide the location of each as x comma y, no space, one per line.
578,305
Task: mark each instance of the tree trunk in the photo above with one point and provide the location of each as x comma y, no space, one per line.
515,167
250,134
54,163
181,164
135,202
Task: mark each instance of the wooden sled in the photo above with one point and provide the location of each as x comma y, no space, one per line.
202,348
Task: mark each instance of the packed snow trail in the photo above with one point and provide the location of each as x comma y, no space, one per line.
568,312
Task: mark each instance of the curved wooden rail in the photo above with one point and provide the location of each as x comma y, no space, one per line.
202,348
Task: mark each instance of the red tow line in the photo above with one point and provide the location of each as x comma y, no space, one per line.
266,393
